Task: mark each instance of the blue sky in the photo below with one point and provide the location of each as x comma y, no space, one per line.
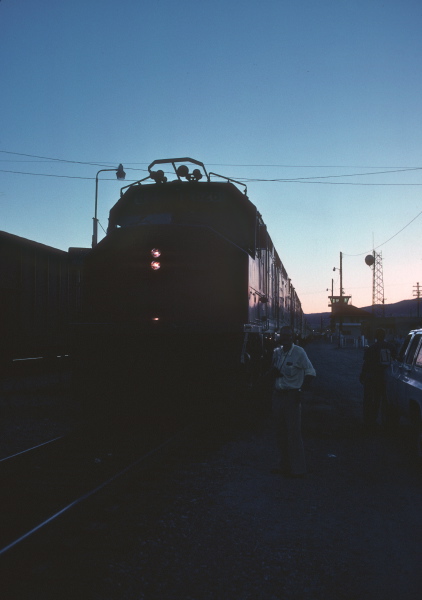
328,92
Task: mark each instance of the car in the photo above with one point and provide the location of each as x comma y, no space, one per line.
404,387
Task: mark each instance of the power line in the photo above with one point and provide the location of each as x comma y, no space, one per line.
243,179
106,163
48,158
44,174
310,166
389,239
326,182
303,180
349,174
60,176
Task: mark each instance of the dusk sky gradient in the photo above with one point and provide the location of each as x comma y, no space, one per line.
316,106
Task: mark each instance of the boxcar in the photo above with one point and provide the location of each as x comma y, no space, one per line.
39,296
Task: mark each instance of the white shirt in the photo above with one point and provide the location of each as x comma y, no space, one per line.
293,366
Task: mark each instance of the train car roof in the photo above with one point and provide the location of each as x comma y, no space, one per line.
20,241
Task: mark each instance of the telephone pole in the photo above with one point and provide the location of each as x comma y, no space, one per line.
417,292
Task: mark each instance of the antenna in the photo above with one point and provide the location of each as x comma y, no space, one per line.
374,261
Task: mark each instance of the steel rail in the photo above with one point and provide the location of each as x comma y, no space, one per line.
92,492
30,449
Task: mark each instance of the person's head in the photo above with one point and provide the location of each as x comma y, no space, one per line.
380,334
286,337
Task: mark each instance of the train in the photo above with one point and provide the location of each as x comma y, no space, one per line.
183,296
39,298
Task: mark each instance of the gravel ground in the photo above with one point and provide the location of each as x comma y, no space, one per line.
215,524
34,408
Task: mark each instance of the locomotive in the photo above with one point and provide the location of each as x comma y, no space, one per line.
183,296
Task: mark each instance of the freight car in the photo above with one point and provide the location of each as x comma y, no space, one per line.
182,294
39,296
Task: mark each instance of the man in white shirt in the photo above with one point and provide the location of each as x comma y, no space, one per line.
294,373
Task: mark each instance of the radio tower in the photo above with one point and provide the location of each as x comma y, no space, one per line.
378,299
374,260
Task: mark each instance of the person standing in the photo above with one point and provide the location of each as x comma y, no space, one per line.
376,360
293,374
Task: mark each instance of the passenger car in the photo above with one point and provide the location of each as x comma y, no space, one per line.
404,386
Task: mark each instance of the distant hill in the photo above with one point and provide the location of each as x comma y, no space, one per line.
404,308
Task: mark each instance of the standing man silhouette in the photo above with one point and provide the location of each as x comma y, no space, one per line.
293,374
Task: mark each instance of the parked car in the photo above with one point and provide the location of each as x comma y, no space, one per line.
404,386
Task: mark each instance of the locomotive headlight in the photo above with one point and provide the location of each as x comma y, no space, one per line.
155,252
155,265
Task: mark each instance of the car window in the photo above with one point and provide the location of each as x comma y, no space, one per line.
404,348
412,349
418,361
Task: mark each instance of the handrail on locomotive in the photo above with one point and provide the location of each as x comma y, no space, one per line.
181,171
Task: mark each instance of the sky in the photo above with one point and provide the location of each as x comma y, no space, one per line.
316,106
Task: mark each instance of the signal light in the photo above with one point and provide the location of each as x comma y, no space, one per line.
155,265
155,252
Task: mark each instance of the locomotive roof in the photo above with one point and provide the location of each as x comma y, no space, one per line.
136,190
218,205
181,168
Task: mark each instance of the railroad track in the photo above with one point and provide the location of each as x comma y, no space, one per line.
43,483
30,450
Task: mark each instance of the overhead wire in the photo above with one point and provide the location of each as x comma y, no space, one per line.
102,163
324,182
240,179
49,158
386,241
344,175
303,180
60,176
309,179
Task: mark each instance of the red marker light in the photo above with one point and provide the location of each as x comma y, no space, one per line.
155,265
155,252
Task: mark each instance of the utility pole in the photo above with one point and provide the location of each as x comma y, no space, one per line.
341,276
417,292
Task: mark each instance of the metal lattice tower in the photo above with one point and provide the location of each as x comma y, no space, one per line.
378,285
